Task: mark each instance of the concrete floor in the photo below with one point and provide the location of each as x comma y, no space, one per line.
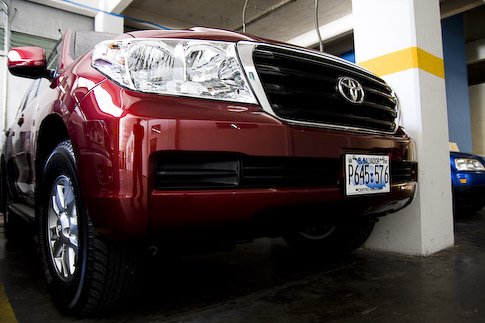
266,282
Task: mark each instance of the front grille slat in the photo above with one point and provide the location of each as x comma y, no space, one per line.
384,108
303,87
279,72
383,94
195,173
192,173
276,89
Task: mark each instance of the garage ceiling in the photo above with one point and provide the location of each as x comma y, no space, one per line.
275,19
281,20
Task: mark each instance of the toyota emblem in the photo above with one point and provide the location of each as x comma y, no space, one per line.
350,89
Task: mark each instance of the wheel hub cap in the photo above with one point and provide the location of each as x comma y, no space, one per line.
317,232
63,233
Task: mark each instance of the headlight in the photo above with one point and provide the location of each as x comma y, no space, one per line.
468,164
203,69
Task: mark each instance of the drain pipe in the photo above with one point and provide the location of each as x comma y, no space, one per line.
261,15
317,26
244,16
6,43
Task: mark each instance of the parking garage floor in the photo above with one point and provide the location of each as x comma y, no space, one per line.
265,281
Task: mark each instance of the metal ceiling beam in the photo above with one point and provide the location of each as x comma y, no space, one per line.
82,7
116,6
155,18
79,6
332,30
450,8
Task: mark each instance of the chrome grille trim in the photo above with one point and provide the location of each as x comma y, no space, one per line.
245,52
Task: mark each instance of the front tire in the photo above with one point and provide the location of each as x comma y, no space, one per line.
316,237
85,274
471,207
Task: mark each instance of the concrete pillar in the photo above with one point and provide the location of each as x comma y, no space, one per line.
401,42
106,22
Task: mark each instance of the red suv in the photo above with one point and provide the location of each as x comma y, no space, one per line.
194,140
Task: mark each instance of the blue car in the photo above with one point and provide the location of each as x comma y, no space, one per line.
468,181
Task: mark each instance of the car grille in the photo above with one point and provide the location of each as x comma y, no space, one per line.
303,87
208,171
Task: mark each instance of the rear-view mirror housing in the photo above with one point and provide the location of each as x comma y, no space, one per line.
29,62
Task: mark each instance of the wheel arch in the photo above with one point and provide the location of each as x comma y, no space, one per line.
52,131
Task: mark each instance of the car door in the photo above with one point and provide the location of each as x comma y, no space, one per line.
20,133
23,132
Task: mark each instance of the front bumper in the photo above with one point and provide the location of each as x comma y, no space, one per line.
468,187
175,212
469,195
118,157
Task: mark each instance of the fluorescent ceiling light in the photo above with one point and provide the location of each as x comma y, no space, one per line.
328,31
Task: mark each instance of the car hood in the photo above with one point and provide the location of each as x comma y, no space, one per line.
198,33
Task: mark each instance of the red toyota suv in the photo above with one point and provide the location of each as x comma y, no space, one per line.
193,140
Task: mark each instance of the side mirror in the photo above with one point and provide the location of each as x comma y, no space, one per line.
27,62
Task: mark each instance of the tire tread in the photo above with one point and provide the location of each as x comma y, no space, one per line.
112,268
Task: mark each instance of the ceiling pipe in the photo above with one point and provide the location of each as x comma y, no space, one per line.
244,16
317,26
263,14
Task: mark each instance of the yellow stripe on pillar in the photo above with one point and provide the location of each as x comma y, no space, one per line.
412,57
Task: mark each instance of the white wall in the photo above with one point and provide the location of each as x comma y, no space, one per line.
38,20
35,19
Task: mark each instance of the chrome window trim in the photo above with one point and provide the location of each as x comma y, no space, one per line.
245,52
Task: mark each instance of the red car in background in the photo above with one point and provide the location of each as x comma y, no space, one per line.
193,140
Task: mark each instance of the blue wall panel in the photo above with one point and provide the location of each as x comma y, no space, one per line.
350,56
454,53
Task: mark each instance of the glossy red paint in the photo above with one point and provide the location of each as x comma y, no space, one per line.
124,131
25,57
108,173
196,33
117,135
172,211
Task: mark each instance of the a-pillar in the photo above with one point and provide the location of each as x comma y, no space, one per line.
106,21
401,42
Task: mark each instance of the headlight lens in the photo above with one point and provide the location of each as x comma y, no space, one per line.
468,164
204,69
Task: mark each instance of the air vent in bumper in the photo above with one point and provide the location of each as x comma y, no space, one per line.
208,171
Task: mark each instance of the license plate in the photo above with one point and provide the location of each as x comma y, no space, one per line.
366,174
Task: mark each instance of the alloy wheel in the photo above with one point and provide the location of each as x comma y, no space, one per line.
63,232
